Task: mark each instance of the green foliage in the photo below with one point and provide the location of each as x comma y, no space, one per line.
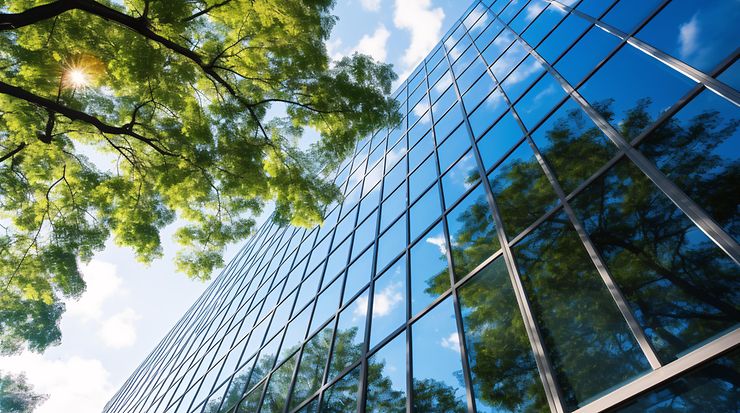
16,396
115,120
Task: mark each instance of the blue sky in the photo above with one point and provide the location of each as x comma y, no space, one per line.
128,307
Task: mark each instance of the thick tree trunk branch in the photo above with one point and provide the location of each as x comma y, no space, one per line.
13,152
77,115
12,21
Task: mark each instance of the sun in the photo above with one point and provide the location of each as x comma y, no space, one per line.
76,78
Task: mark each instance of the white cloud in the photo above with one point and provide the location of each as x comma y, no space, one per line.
534,9
439,242
102,284
387,300
75,384
424,23
119,330
370,5
451,342
332,48
375,44
688,37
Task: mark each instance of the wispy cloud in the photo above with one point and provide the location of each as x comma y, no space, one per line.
375,45
370,5
688,35
439,242
102,284
424,24
451,342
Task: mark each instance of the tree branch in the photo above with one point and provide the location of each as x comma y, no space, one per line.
77,115
13,152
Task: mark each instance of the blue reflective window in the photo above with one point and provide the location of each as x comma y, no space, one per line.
508,61
627,14
562,37
295,334
488,34
540,100
704,138
448,122
358,274
653,88
522,77
594,8
389,302
475,70
585,55
338,259
420,179
425,211
551,16
497,46
419,153
436,361
418,111
393,206
521,190
342,395
429,272
499,140
472,232
590,346
394,178
502,365
453,147
391,243
573,146
483,86
308,289
311,367
447,99
459,179
364,234
389,367
442,86
701,33
370,202
487,113
349,336
326,303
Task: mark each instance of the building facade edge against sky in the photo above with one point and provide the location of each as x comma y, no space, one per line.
526,116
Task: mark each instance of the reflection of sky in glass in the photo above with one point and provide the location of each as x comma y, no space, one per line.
389,299
436,351
427,261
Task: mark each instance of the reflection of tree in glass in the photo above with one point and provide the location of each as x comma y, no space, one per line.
432,397
682,288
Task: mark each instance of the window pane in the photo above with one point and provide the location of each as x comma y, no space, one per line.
590,346
682,288
327,304
460,178
386,378
562,37
424,212
502,366
393,206
539,101
499,140
490,110
251,402
713,386
521,190
543,24
522,77
699,149
452,148
311,368
628,13
364,234
394,178
586,54
391,243
572,145
349,336
448,123
483,86
420,179
472,232
295,334
278,387
653,87
342,396
438,385
389,302
358,274
419,153
429,273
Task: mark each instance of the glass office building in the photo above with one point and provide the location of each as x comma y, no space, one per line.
553,227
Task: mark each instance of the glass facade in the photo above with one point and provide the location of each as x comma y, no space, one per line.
552,227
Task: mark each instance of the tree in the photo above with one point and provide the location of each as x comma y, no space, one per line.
17,396
116,118
680,286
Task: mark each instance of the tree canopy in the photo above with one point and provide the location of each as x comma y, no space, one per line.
16,395
117,118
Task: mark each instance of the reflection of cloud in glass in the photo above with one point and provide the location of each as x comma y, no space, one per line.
523,72
688,37
444,82
534,9
387,300
451,342
384,302
439,242
477,17
421,107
